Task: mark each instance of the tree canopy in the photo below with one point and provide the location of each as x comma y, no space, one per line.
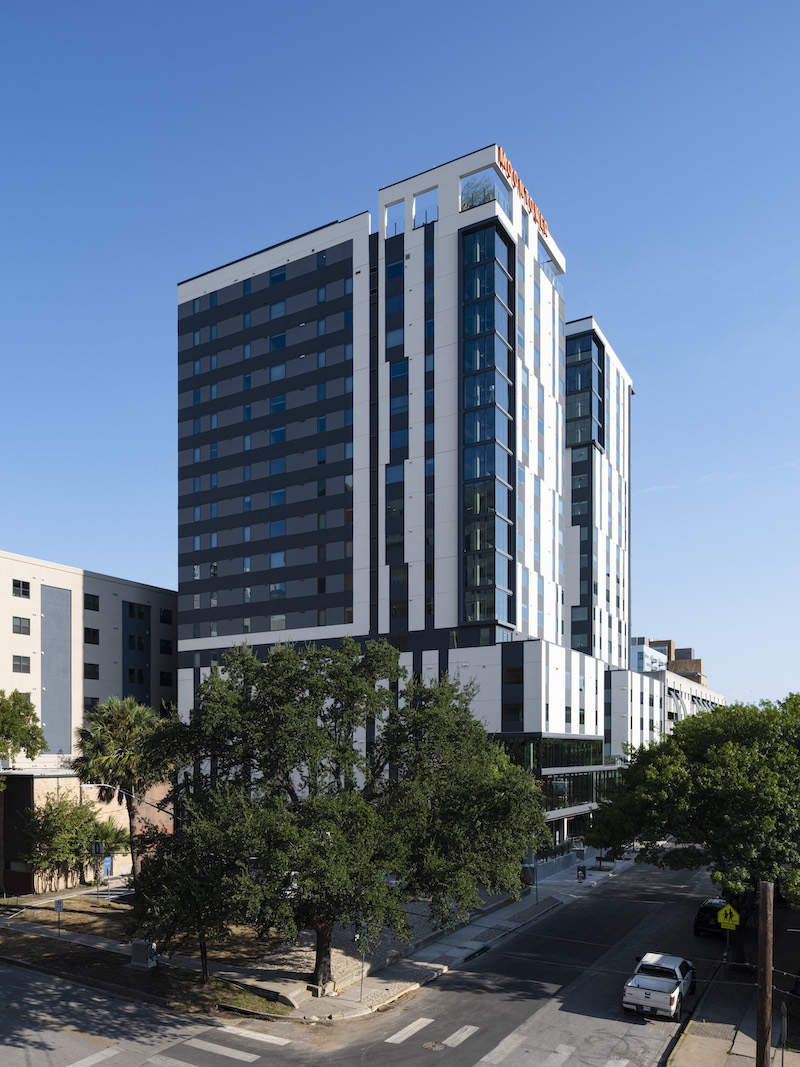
114,746
59,834
353,791
20,730
722,791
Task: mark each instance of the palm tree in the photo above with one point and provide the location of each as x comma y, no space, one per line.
115,753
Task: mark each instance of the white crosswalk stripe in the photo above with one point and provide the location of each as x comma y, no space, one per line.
460,1035
221,1050
253,1035
167,1061
407,1031
505,1048
96,1057
560,1056
616,1063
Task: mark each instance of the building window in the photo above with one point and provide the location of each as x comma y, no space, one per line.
246,381
246,564
246,503
21,626
246,473
277,435
277,310
20,588
277,275
21,664
321,295
277,403
277,591
277,528
247,594
165,678
246,626
277,622
277,497
91,636
277,341
320,327
277,559
165,646
277,466
91,670
165,616
321,391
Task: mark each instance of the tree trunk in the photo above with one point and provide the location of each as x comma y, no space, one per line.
201,937
323,971
135,860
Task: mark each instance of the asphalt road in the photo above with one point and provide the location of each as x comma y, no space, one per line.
549,995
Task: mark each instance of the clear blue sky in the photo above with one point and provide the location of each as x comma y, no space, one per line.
143,144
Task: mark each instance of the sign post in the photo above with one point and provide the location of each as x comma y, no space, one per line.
728,919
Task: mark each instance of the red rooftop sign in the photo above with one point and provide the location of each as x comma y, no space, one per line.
516,181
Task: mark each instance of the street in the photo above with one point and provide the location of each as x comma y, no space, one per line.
549,995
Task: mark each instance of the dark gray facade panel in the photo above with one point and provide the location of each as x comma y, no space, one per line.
56,696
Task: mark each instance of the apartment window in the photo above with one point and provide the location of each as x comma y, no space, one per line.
245,287
212,362
165,616
246,564
321,391
246,534
246,503
246,473
277,275
320,327
277,310
246,626
277,591
212,540
277,497
91,671
320,456
246,351
196,338
246,320
321,295
321,424
213,448
277,403
91,636
247,594
277,341
348,383
348,286
277,435
20,588
277,528
321,489
21,626
246,381
277,559
277,622
246,442
321,617
196,304
165,678
277,466
21,664
321,357
165,646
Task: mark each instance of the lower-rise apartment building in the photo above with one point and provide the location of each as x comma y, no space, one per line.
73,639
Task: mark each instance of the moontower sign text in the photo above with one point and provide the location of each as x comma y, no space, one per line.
505,165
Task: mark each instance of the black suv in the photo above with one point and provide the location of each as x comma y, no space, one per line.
706,922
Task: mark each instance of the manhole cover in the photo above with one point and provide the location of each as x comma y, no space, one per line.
434,1046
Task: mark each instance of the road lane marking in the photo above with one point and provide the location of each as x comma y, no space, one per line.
96,1057
561,1055
505,1048
407,1031
617,1063
459,1036
253,1035
167,1061
221,1050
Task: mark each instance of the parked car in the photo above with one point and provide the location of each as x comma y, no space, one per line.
705,921
659,985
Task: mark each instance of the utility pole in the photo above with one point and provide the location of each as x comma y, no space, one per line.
764,1013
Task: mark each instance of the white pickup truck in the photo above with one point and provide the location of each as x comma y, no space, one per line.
658,985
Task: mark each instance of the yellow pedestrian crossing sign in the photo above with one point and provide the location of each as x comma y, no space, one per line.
728,917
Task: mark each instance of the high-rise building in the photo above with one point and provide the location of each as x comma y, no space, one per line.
396,433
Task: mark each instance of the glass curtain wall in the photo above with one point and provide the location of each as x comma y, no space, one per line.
488,432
